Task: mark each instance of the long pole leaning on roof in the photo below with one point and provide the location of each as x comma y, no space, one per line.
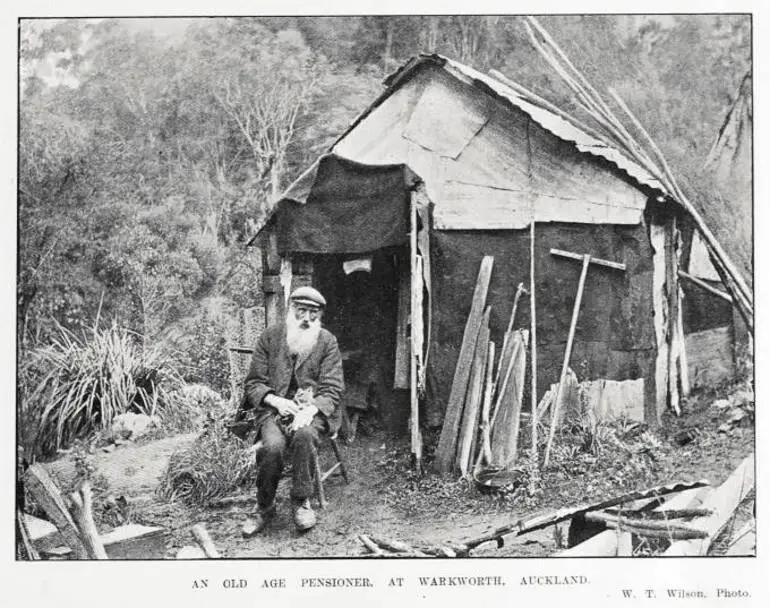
594,105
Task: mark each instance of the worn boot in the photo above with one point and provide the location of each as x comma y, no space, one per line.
304,516
258,521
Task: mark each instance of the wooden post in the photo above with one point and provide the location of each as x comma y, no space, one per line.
672,296
660,313
271,282
535,464
285,280
416,337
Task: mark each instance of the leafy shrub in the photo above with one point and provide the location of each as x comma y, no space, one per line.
215,465
197,403
200,349
75,387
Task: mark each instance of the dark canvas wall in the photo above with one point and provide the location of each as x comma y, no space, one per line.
615,336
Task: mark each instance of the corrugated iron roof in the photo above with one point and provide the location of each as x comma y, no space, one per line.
551,122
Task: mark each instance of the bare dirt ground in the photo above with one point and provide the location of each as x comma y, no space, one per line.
386,497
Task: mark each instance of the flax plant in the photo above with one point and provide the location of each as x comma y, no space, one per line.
78,385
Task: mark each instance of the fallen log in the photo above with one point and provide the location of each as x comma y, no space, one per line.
370,544
723,502
520,527
47,495
665,514
439,551
640,527
606,544
204,540
396,546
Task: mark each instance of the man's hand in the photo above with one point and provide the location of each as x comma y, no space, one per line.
284,407
304,417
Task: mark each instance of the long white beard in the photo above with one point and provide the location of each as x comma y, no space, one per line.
301,341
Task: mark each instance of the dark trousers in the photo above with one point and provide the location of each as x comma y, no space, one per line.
302,445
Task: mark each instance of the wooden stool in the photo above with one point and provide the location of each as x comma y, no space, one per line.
321,476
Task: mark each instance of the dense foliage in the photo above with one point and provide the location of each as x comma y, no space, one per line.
76,385
149,149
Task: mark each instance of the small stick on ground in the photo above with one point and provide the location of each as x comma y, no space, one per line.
396,546
204,540
82,512
369,544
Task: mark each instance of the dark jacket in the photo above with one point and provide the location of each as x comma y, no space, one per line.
271,370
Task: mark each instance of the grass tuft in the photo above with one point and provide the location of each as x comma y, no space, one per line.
74,387
214,466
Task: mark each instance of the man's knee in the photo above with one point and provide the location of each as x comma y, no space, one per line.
272,447
305,436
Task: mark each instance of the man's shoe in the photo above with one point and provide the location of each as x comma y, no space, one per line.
258,521
304,516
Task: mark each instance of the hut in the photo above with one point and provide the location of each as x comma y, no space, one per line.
449,165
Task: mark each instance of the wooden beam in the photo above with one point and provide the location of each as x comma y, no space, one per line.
416,344
534,456
271,259
285,275
47,495
659,318
724,500
672,291
135,541
703,285
469,424
447,443
505,430
579,257
24,547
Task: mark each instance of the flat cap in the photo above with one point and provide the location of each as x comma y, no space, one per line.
308,296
